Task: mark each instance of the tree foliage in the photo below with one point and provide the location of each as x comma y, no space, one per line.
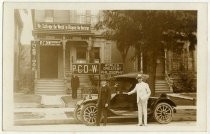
146,30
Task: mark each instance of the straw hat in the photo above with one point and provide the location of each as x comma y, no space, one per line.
139,76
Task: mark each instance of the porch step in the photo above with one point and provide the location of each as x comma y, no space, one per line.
161,86
50,86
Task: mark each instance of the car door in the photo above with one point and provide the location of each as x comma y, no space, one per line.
121,103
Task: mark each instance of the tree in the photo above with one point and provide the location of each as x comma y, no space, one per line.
143,29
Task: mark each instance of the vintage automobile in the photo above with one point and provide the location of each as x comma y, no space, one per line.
122,105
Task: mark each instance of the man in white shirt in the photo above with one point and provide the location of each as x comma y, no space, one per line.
143,92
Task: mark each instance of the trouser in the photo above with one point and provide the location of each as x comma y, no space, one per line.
74,93
142,111
101,111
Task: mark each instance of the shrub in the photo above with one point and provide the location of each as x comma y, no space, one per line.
185,83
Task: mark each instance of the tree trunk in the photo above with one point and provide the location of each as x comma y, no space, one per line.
151,57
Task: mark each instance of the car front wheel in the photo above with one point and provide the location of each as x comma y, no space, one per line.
163,113
77,114
88,114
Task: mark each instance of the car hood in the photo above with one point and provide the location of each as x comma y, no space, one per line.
131,75
87,98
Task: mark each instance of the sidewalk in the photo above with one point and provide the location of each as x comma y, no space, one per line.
44,110
43,116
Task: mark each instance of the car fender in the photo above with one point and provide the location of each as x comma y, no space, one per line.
166,100
89,101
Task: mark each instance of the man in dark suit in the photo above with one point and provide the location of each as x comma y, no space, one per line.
104,97
74,85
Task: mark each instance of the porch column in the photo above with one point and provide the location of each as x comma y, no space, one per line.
141,64
90,44
38,62
169,59
165,60
64,58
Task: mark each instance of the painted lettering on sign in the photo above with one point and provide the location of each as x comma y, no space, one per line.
50,43
111,68
33,56
47,42
85,68
62,26
94,68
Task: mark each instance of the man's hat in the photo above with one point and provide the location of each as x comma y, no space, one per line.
139,76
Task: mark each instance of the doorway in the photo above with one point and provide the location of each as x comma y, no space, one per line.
48,62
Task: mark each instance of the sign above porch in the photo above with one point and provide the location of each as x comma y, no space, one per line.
48,42
62,27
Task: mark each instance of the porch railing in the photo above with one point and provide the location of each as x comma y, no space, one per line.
169,81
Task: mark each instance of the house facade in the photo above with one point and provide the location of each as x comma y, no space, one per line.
63,38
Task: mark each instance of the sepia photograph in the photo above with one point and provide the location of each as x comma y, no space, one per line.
104,67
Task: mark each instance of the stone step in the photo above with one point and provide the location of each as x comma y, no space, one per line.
167,91
166,88
157,89
50,83
50,80
48,92
50,88
161,86
160,81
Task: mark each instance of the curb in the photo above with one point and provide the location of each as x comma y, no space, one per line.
21,122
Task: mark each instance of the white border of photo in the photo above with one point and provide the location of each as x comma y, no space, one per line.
8,64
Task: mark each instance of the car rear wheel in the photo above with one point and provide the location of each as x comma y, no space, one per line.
163,113
88,113
77,114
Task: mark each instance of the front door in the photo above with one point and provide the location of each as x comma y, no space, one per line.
48,62
160,68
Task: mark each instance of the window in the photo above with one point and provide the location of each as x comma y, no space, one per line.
61,16
73,16
49,15
81,54
81,15
88,16
94,17
96,54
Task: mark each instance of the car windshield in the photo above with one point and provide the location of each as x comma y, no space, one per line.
124,84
